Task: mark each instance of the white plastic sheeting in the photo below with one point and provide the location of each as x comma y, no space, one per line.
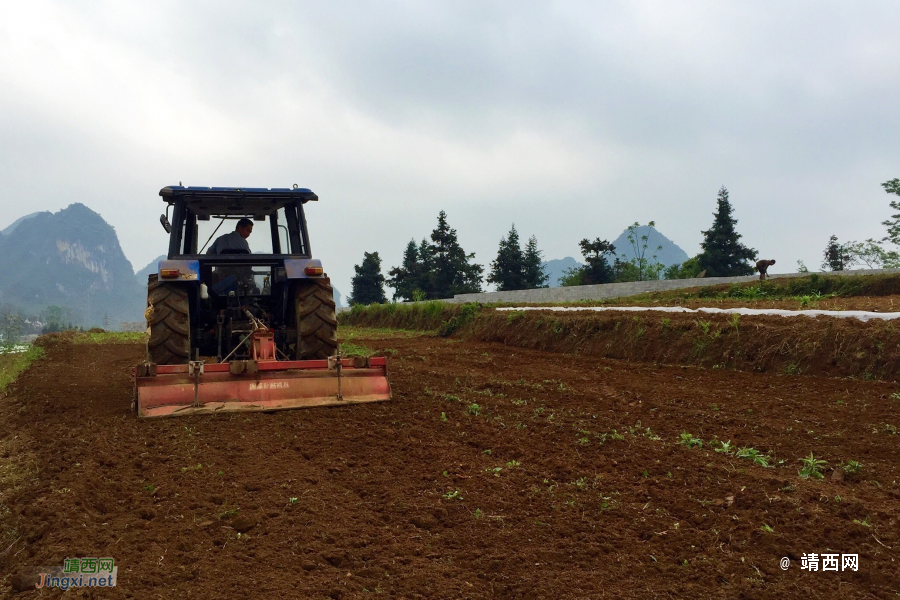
862,315
13,348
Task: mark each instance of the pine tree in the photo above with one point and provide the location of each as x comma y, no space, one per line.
508,269
533,266
425,278
404,278
368,283
836,256
414,279
453,273
723,254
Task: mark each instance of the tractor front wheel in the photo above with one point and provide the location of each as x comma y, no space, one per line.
316,321
169,319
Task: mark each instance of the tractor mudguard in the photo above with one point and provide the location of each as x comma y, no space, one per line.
303,268
179,270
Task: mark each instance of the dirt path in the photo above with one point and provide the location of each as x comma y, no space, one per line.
551,487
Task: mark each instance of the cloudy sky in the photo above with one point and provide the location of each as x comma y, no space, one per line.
571,119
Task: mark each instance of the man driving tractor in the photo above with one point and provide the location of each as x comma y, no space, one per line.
236,240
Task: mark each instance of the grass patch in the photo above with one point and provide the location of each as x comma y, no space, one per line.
347,332
12,364
351,349
432,316
109,337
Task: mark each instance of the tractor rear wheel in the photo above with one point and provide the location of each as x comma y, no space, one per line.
316,321
169,319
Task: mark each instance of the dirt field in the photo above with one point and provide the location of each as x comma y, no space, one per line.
496,472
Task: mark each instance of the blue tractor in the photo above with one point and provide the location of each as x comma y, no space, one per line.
207,304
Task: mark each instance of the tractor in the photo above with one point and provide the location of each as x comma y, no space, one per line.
232,330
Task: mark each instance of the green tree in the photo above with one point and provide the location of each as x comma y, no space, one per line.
686,270
425,278
12,327
893,224
625,270
837,258
872,254
571,277
368,283
533,265
723,254
597,270
645,268
56,318
453,273
508,269
405,278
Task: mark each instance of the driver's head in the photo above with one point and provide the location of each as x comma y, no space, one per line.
244,228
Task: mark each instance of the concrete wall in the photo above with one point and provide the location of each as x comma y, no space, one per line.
633,288
618,290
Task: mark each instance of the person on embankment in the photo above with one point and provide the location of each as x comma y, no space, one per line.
762,266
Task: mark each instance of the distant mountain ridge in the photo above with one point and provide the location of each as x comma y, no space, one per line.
671,253
70,259
19,221
556,267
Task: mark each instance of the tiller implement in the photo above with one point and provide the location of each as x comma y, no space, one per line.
234,331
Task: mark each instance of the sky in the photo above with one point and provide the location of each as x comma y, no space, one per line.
570,119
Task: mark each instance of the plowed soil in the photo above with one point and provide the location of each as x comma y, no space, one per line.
495,472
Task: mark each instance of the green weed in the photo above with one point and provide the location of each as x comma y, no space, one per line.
724,447
690,441
753,455
812,467
852,468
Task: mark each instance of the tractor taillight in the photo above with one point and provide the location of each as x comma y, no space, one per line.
314,270
169,273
